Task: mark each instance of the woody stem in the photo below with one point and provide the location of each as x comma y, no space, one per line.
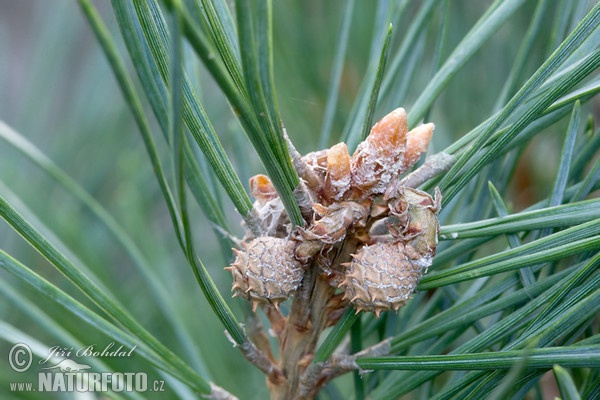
306,321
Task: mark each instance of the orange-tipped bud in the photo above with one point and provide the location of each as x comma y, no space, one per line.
417,141
337,180
379,159
262,188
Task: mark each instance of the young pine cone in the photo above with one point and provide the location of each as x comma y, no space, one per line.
383,276
266,271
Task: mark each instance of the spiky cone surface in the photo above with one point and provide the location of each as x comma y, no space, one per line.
266,271
382,276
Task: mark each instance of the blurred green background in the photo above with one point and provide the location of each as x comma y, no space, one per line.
58,91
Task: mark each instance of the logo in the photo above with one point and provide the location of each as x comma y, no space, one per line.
67,365
62,371
20,357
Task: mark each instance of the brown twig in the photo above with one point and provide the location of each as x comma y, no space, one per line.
218,393
262,362
259,359
432,167
317,375
306,321
277,320
304,171
258,335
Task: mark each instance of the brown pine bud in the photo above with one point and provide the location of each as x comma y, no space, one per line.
316,163
335,220
266,271
417,141
417,220
262,189
383,276
337,180
378,160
